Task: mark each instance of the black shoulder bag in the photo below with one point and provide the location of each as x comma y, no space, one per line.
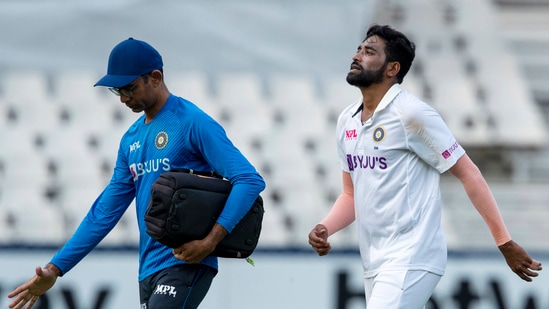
185,205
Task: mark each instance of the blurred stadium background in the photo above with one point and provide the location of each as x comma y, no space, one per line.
273,73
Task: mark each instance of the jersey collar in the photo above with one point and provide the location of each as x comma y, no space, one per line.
387,98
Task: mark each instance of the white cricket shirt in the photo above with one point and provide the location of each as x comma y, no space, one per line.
395,160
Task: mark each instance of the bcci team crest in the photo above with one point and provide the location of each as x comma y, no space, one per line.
161,140
379,135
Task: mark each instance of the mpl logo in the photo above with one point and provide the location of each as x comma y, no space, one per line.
135,146
350,134
165,289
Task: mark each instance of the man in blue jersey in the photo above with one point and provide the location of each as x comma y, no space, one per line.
171,133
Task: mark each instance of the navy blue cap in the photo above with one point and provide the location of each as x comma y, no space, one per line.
128,60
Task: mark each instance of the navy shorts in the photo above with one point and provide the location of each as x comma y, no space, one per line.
178,287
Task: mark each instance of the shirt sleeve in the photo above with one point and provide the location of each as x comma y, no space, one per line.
343,117
430,138
103,215
212,142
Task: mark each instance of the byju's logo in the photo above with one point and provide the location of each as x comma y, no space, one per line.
366,162
151,166
165,290
350,134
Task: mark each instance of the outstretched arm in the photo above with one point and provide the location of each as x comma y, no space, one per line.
29,292
481,197
341,215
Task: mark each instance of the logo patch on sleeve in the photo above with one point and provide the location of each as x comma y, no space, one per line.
448,152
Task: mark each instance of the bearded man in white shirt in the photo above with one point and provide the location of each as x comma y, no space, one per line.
392,148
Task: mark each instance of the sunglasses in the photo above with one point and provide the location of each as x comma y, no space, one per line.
127,91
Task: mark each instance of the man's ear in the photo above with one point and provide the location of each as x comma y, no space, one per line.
392,69
156,76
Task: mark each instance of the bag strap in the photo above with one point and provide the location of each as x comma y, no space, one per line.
200,173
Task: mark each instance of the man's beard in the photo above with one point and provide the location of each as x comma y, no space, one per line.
365,78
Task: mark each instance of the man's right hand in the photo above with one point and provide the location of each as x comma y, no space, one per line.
30,291
318,239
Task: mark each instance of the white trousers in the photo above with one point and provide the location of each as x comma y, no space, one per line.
400,289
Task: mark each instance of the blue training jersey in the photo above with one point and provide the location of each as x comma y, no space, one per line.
180,136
